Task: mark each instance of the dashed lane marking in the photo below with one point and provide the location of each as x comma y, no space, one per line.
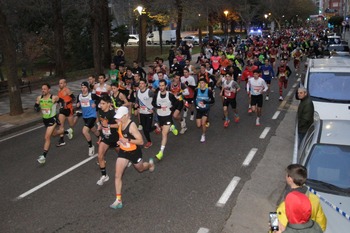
265,132
203,230
275,116
249,157
228,191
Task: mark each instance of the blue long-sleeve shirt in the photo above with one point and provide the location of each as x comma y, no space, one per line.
267,72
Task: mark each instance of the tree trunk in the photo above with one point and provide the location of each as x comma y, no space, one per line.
200,35
8,47
160,29
96,36
106,34
59,41
179,5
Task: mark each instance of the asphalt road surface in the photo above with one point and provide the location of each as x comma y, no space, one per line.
193,189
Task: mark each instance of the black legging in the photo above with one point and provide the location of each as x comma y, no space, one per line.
147,126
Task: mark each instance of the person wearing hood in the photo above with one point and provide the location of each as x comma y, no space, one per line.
296,175
298,211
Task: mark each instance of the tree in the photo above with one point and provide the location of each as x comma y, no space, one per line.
8,47
96,35
120,35
160,20
59,41
106,29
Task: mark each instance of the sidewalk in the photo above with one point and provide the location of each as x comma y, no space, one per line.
11,124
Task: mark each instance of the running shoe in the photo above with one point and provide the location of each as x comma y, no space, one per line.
226,123
103,180
192,117
151,163
148,145
91,151
186,104
185,114
249,110
257,123
117,205
207,124
41,159
61,143
140,127
70,133
159,156
236,118
174,130
267,98
158,130
183,130
203,138
281,98
183,123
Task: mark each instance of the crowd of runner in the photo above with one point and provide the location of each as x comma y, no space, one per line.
127,100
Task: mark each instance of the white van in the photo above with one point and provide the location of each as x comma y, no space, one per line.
328,84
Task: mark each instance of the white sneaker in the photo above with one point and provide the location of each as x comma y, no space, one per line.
140,127
102,180
281,98
91,151
41,159
192,117
183,123
185,114
70,133
183,130
267,97
203,138
257,123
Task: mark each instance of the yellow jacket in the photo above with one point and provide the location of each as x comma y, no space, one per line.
317,213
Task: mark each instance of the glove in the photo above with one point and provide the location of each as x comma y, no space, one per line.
37,107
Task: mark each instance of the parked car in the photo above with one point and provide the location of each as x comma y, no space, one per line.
193,39
133,39
325,152
206,39
339,49
328,83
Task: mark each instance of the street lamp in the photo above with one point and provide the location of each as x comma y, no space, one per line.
141,56
226,24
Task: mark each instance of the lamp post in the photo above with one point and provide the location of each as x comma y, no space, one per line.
226,24
141,56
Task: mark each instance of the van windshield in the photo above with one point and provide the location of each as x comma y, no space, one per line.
330,86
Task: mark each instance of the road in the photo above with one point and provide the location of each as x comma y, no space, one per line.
190,190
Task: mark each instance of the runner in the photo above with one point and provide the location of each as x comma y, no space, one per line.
283,73
66,111
46,103
109,137
176,88
267,75
129,141
188,93
297,56
86,100
164,101
229,91
203,98
256,87
144,97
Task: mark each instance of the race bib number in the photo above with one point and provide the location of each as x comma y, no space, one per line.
85,103
46,111
201,104
113,77
106,131
266,72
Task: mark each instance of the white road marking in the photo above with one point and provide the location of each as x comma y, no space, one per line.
277,113
203,230
249,157
228,191
55,177
265,132
24,132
